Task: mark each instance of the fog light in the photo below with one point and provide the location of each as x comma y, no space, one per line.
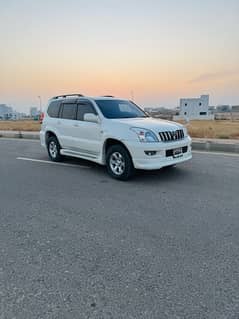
150,153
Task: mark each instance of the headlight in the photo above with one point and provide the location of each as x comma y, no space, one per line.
145,136
185,131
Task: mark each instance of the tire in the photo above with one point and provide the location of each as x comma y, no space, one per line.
119,163
53,148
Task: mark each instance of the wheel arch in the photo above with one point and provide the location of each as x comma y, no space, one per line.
110,142
49,134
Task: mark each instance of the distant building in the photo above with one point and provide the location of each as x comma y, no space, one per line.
5,112
17,115
195,109
34,112
223,108
235,108
161,112
212,109
226,112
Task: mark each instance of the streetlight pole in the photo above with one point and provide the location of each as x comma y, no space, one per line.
40,102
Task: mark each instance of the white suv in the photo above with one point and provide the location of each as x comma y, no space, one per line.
112,132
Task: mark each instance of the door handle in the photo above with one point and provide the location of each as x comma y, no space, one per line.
76,125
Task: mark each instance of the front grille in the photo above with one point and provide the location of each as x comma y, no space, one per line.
170,152
169,136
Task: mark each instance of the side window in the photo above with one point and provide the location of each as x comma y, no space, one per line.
53,109
69,111
84,108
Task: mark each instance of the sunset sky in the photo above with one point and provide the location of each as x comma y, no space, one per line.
160,49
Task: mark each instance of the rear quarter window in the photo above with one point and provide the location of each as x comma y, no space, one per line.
53,109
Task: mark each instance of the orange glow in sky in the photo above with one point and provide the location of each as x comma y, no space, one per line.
160,50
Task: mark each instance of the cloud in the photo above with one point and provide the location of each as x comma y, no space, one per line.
213,76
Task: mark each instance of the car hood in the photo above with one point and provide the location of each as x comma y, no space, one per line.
156,125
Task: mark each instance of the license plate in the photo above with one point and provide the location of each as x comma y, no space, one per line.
177,152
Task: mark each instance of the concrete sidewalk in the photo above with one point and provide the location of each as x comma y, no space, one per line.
201,144
216,145
20,134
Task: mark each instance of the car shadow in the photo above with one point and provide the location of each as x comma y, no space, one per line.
79,161
160,175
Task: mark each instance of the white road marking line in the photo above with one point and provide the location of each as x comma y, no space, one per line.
216,153
49,162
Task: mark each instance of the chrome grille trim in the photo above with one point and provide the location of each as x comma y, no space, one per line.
170,136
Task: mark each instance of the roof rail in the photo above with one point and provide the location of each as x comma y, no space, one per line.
107,96
66,95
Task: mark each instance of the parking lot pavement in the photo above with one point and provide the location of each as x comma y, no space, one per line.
75,243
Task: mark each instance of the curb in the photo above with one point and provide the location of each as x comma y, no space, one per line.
20,134
208,145
211,146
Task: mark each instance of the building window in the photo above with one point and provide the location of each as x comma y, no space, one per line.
203,113
185,113
200,103
186,104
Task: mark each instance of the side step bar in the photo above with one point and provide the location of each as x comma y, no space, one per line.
77,154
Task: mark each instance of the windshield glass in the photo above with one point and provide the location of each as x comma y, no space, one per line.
119,109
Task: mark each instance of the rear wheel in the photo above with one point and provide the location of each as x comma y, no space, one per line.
119,163
53,148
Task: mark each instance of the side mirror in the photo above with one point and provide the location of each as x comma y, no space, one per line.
90,117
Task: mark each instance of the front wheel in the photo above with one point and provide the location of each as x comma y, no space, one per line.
53,148
119,163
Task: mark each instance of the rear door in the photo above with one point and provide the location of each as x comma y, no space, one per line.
66,124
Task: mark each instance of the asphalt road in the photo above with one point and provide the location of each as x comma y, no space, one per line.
76,244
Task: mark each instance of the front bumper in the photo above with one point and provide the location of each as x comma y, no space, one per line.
159,160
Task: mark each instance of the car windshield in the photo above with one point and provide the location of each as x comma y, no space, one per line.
119,109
